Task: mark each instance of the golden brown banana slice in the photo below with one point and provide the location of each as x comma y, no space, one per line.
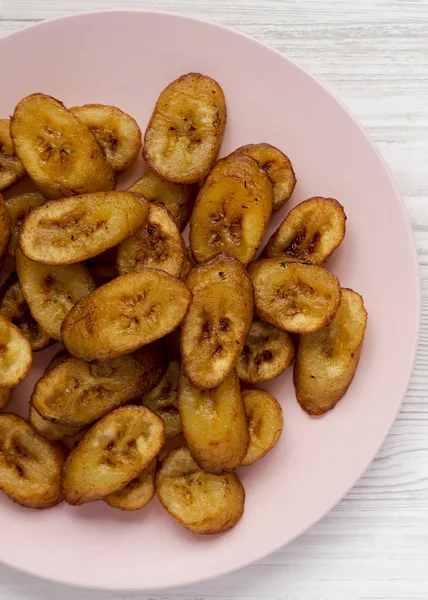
267,352
278,167
326,360
137,493
51,292
14,306
75,393
5,229
232,210
30,466
202,502
157,244
5,396
125,314
185,131
178,199
11,168
214,330
18,208
116,132
71,230
214,424
264,422
162,399
15,354
311,231
112,453
57,150
50,430
294,296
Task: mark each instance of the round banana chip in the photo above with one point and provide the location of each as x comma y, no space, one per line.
264,423
5,396
15,354
11,168
18,208
162,400
293,295
112,453
30,466
201,502
267,352
50,430
5,228
311,231
116,132
137,493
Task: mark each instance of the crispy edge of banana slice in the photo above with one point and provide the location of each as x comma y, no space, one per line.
18,208
137,493
5,230
5,396
50,430
16,356
11,168
264,415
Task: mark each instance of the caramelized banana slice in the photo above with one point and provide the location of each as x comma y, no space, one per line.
125,314
51,292
50,430
264,422
232,210
5,396
116,132
178,199
11,168
75,393
294,296
202,502
30,466
162,399
184,134
214,330
18,208
137,493
267,352
5,229
214,424
73,229
278,167
15,354
157,244
112,453
311,231
326,360
58,152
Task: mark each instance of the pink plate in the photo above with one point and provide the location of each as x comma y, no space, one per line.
126,59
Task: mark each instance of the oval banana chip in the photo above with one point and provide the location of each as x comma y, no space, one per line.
11,168
125,314
50,430
201,502
5,229
137,493
162,399
264,423
326,360
185,131
15,354
18,208
311,231
30,466
5,396
112,453
70,230
58,152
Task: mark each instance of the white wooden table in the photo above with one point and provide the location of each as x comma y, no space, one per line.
374,55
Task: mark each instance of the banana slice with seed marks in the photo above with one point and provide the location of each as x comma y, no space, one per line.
15,354
18,208
11,168
137,493
162,399
5,229
264,422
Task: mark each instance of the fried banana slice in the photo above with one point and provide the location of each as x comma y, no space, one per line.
157,244
15,354
137,493
116,132
232,210
278,167
112,453
162,399
267,352
50,430
186,268
75,393
18,208
185,131
57,150
11,168
30,466
14,306
178,199
51,292
327,360
214,424
5,396
264,422
214,330
201,502
71,230
311,231
293,295
5,229
125,314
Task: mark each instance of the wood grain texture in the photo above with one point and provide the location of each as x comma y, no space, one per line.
374,55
